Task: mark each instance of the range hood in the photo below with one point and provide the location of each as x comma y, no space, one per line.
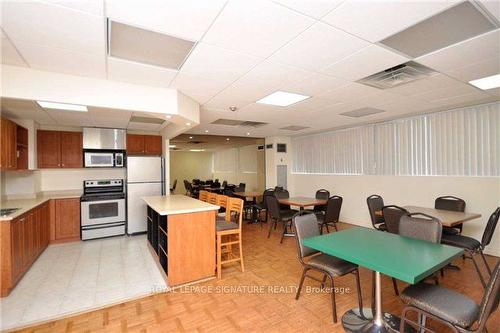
104,138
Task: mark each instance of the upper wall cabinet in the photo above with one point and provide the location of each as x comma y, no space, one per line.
56,149
14,146
138,144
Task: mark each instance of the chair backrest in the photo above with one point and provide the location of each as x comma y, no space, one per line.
273,206
203,196
490,228
209,182
281,194
234,211
268,192
224,184
392,214
491,298
424,227
212,198
450,202
306,226
216,184
333,207
375,203
321,194
196,181
222,200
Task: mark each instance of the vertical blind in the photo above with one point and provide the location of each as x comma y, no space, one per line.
461,142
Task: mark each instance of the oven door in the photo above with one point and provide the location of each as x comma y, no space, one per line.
102,211
99,160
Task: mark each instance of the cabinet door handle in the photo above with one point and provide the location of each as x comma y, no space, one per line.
63,164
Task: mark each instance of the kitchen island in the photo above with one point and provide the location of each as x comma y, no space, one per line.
181,232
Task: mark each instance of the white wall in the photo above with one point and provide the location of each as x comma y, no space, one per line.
482,195
189,165
273,159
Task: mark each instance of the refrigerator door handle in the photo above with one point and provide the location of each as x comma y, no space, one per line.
163,176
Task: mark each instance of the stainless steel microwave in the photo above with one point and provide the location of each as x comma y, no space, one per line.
104,159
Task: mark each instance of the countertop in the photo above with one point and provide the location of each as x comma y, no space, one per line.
29,203
177,204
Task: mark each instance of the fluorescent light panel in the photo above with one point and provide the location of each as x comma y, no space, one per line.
486,83
196,150
62,106
282,98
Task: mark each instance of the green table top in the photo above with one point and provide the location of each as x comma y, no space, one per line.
403,258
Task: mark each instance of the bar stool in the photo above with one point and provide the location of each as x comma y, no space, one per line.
229,234
203,196
212,198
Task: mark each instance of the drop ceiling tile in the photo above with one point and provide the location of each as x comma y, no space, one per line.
226,99
189,19
475,97
313,85
311,105
63,61
24,109
376,20
349,93
94,7
144,127
53,26
458,57
211,62
447,91
314,8
365,62
132,72
200,89
318,47
70,118
10,56
255,27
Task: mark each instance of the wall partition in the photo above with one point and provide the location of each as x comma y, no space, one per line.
460,142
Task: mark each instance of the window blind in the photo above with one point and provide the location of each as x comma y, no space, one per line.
460,142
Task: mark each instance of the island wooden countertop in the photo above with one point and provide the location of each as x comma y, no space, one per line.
177,204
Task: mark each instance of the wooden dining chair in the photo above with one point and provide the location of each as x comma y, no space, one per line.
212,198
229,234
222,203
203,196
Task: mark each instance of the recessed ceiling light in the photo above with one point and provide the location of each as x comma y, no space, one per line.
172,146
62,106
282,98
168,116
488,82
190,137
227,139
196,150
206,131
188,124
248,133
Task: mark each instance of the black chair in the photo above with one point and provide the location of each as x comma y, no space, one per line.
458,312
392,214
279,216
321,195
224,184
473,246
375,204
187,186
425,228
452,203
262,205
332,214
174,185
280,193
306,226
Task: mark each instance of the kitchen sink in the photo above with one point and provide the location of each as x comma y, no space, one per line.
7,211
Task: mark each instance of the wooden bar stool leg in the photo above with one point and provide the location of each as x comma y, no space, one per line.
219,256
241,254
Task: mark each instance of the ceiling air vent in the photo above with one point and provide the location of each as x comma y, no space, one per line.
363,112
397,75
294,128
146,120
234,122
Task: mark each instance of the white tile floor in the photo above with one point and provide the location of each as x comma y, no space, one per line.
75,277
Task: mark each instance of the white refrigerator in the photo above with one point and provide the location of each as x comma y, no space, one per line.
144,178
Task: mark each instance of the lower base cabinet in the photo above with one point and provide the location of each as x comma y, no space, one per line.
23,239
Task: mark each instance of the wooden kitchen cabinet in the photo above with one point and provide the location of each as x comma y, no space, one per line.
67,219
23,239
8,153
56,149
138,144
71,149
